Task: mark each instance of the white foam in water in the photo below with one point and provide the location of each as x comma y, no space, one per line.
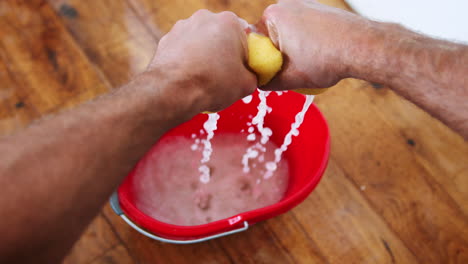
194,147
299,119
250,154
209,126
205,173
168,188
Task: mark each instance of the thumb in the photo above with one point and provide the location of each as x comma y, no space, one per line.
268,26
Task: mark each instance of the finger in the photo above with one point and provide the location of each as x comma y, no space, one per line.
267,26
244,24
201,13
250,82
245,28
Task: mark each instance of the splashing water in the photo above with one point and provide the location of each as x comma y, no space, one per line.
258,149
247,99
209,126
265,132
263,108
299,119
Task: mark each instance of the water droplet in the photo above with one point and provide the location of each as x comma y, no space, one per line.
251,137
247,99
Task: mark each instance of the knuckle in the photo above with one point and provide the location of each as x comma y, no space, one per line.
162,40
228,14
228,17
201,12
272,10
179,22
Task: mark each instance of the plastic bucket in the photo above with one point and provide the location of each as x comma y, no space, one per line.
307,157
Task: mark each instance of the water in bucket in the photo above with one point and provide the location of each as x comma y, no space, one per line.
169,188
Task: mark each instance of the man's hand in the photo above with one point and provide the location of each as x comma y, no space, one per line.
61,170
323,45
312,38
207,54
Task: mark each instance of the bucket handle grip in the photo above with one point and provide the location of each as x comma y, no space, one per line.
114,202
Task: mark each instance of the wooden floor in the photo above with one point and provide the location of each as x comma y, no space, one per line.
395,191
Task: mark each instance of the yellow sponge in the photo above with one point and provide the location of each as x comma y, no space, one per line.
266,61
264,58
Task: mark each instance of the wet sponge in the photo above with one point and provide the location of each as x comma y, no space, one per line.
264,58
266,61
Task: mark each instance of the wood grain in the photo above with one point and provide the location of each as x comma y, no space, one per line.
97,239
52,71
373,153
161,15
117,254
345,227
435,147
120,51
16,110
395,191
146,250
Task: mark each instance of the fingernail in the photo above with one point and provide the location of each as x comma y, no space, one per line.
243,23
272,33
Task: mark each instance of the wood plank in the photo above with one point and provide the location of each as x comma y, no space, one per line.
52,69
258,245
161,15
146,250
345,227
95,242
293,239
372,152
118,254
42,70
439,150
262,244
111,34
15,109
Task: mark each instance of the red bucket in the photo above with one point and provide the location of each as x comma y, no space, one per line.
307,157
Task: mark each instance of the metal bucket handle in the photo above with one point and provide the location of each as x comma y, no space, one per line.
114,202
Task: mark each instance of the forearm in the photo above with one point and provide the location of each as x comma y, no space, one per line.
58,173
431,73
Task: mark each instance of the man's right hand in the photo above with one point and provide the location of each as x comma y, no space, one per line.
314,39
323,45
